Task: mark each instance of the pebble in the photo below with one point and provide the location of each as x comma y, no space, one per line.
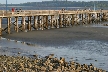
46,64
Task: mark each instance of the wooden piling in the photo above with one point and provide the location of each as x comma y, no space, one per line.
82,19
64,20
46,21
104,17
23,23
42,20
29,23
60,20
49,22
9,24
39,22
89,18
35,23
57,23
99,17
85,18
52,21
73,19
16,24
68,20
76,19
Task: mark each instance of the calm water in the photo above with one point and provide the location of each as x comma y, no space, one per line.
84,51
41,8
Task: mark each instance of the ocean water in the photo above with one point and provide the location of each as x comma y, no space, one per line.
41,8
83,51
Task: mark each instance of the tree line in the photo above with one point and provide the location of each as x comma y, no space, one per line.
99,4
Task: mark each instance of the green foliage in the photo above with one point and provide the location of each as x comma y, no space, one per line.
64,4
67,3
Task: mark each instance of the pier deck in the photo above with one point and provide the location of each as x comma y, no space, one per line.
47,19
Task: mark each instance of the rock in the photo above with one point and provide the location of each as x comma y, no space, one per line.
19,52
28,64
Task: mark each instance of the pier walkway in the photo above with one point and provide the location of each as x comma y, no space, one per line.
47,19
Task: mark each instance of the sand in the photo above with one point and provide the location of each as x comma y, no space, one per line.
61,36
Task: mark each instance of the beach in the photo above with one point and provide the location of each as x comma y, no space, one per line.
84,44
61,36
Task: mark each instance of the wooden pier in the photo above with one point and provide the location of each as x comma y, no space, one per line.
47,19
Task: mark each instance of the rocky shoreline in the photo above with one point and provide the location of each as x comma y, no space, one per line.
47,64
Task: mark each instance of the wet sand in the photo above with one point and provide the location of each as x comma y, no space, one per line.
61,36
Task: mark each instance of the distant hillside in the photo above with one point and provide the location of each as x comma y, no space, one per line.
67,4
99,4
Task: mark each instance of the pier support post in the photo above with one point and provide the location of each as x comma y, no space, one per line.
73,18
83,19
46,21
57,23
42,23
104,16
68,20
76,19
29,23
99,17
23,23
8,25
52,21
0,27
64,21
35,22
89,18
39,22
95,19
60,20
16,24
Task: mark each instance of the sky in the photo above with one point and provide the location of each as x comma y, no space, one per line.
23,1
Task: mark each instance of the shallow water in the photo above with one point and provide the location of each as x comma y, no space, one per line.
100,24
83,51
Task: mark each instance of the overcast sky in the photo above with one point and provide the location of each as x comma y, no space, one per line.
23,1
